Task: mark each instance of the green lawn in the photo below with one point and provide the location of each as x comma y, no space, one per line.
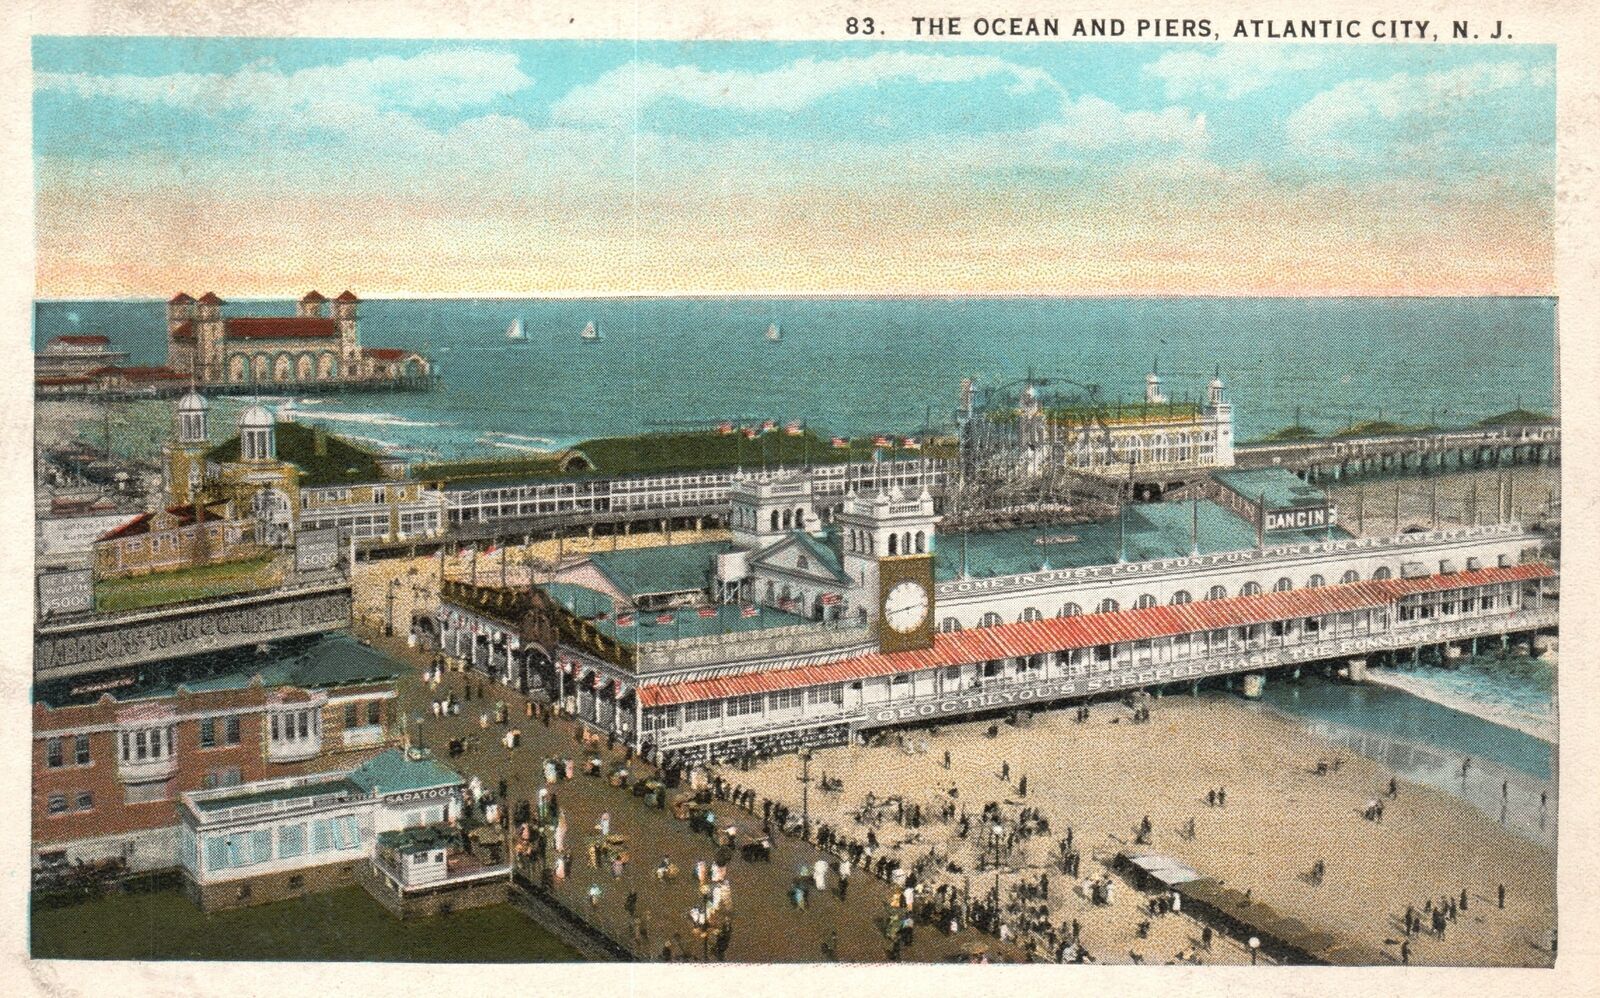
343,924
111,595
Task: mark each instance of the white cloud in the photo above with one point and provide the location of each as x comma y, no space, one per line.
1232,72
1430,107
614,95
443,79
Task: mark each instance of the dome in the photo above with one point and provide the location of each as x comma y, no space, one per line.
193,401
255,418
1216,382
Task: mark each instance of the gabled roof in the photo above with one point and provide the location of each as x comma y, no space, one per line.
1039,637
181,298
313,296
346,295
210,298
821,555
280,327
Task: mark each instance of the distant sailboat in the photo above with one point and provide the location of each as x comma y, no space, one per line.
591,333
515,333
774,334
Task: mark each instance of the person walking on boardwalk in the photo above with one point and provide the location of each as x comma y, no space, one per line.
1500,896
1405,952
844,877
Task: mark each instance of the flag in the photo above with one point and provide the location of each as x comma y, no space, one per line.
911,443
664,618
749,611
491,549
749,432
625,620
840,443
708,611
768,426
880,441
463,552
616,686
725,429
793,429
831,599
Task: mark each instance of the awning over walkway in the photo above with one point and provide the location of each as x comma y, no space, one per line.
1091,629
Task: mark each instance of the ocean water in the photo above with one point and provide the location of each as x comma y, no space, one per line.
858,366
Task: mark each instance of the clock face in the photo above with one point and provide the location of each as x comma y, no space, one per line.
906,606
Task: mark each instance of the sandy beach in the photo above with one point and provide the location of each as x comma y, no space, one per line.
1103,776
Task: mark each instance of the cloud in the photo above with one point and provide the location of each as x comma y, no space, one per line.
442,79
1408,114
615,95
1231,72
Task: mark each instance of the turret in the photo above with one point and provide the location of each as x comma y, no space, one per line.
313,306
257,435
344,314
1219,414
208,337
765,509
1152,387
192,415
887,524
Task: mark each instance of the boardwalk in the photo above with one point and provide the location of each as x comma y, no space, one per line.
766,927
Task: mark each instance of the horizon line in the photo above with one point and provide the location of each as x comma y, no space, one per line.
846,295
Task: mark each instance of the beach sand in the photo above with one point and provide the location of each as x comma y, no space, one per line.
1103,776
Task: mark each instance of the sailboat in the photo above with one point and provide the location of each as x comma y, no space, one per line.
515,333
774,334
591,333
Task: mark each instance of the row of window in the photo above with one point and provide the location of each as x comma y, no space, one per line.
296,725
55,751
83,800
356,711
711,710
238,849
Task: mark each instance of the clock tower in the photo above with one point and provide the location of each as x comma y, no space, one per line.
887,550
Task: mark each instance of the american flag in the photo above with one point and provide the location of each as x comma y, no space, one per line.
841,443
769,425
911,443
725,428
880,441
830,599
749,611
491,549
708,611
793,429
664,618
749,432
625,620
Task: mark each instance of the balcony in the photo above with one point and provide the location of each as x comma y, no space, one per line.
147,770
297,750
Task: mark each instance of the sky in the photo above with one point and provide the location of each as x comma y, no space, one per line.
263,167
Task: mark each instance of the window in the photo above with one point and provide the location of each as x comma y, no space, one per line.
230,731
52,753
1380,575
1283,585
990,620
374,713
1069,610
740,706
1350,576
950,625
1316,581
1145,602
1217,592
1250,589
228,777
80,749
783,699
85,801
1029,615
351,715
208,732
1109,605
833,693
291,841
1181,597
58,804
705,710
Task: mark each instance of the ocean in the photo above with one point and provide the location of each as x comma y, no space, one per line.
868,365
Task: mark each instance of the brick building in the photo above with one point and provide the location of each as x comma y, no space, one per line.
112,758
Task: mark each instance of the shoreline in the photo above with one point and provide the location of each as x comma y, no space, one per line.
1520,721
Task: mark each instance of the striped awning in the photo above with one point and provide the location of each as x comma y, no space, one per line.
1088,630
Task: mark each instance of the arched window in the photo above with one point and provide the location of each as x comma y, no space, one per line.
1069,610
800,518
1181,597
905,543
1380,575
1250,589
802,563
950,625
1283,585
784,595
769,592
1109,605
1029,614
1351,576
1217,592
1145,602
788,519
1315,581
922,542
990,620
774,519
894,542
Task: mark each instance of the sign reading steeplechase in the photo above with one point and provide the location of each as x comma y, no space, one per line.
66,592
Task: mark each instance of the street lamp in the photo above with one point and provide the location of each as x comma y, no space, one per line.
1255,947
388,619
418,718
805,794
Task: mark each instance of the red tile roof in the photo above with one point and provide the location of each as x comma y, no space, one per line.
63,380
313,295
83,341
180,298
210,298
281,328
141,523
385,353
347,295
151,374
1088,630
